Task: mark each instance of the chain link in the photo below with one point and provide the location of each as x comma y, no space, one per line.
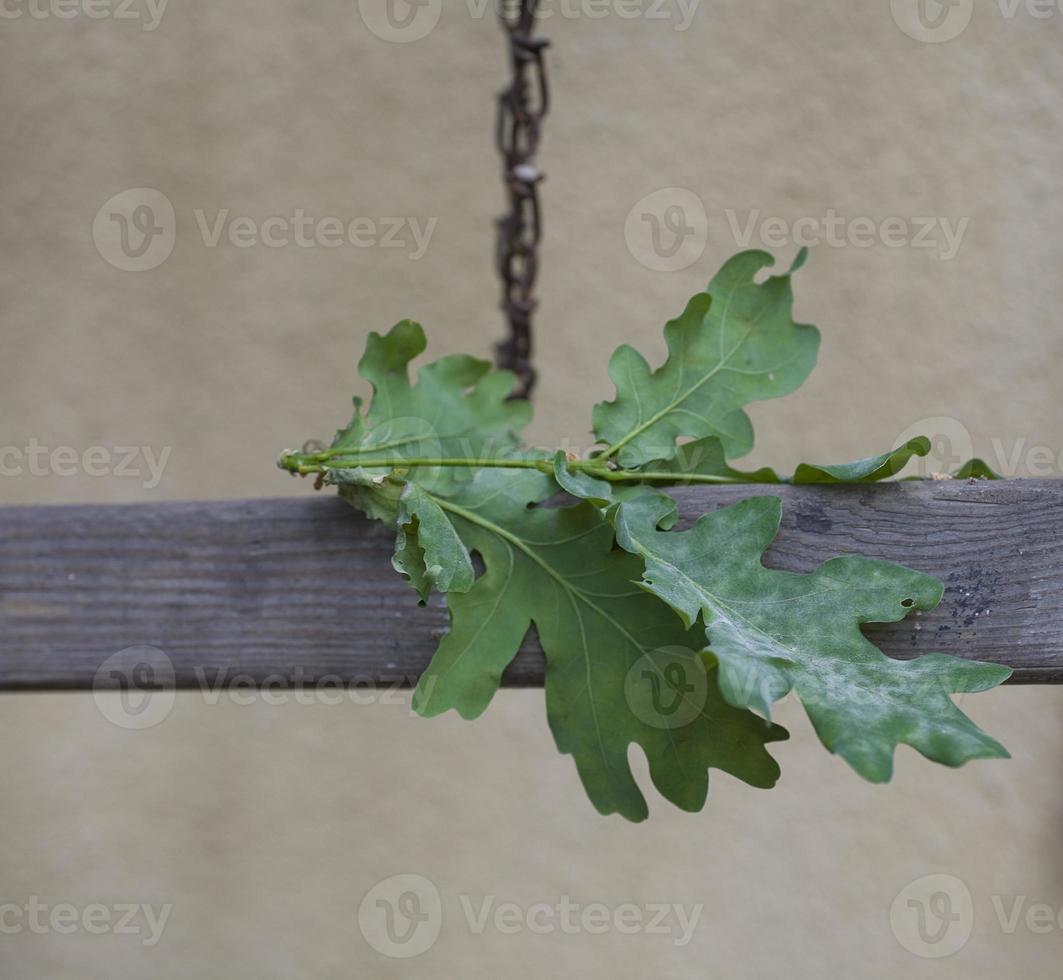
521,108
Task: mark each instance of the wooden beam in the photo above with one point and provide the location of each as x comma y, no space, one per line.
303,589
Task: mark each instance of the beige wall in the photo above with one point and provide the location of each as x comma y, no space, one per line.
264,826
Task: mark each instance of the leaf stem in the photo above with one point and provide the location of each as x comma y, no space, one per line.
303,463
306,463
643,476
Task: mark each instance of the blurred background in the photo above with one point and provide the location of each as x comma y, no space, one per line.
208,205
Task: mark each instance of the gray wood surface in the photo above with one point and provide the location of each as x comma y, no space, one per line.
302,588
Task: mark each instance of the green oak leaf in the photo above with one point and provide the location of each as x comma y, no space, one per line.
458,407
586,486
705,458
976,469
702,457
617,659
734,344
581,485
603,493
773,631
427,548
869,470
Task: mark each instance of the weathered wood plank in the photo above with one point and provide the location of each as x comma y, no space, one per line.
302,588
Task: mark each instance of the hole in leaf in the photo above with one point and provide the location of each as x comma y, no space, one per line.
908,603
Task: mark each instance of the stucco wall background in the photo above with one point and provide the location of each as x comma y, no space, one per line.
264,826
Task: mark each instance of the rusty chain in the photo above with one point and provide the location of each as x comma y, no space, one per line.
521,108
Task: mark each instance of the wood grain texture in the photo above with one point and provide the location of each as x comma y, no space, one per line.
302,588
